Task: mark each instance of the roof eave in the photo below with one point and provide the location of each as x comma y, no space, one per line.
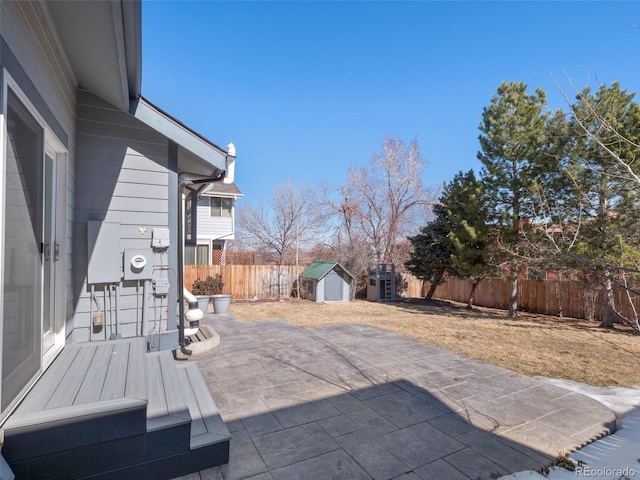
102,43
132,26
208,153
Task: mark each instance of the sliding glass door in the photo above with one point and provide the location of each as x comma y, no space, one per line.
23,250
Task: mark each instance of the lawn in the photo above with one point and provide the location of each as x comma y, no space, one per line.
530,344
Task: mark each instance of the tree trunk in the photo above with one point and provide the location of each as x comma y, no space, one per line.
279,279
437,280
513,297
474,285
432,290
607,314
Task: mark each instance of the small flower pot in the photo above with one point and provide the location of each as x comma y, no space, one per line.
221,303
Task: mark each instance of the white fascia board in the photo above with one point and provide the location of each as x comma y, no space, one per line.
118,27
221,195
174,130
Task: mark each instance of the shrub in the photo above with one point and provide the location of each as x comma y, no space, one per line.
210,286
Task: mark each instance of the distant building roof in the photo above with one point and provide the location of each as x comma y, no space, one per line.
221,189
319,269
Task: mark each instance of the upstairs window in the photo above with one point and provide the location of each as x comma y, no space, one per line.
221,207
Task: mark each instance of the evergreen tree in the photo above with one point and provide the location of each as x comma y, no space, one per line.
513,140
465,211
430,258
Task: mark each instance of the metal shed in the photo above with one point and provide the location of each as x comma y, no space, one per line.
326,281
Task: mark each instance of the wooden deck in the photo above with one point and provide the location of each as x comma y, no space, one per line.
109,410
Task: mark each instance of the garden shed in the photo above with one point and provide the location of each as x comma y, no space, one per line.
326,281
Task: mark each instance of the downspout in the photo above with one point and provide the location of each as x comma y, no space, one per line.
185,179
181,339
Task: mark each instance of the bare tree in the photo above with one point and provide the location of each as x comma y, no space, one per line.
288,221
384,198
348,244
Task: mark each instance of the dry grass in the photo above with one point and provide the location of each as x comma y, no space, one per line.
531,344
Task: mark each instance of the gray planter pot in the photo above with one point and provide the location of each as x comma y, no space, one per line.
221,303
203,302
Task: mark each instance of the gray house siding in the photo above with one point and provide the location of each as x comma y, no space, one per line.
211,228
27,31
132,190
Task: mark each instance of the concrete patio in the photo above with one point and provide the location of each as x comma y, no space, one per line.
355,402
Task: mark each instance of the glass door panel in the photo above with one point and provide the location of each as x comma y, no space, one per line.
23,241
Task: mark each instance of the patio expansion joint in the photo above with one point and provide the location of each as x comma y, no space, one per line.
516,392
529,422
297,368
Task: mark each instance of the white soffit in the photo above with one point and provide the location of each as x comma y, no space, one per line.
93,36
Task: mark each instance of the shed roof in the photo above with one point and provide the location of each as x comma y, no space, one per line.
319,269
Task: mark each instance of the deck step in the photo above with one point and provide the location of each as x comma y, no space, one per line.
111,410
207,426
167,406
91,394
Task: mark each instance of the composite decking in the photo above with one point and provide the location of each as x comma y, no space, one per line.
111,410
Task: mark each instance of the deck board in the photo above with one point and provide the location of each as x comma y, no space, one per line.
46,386
136,384
91,388
65,394
173,394
114,384
157,406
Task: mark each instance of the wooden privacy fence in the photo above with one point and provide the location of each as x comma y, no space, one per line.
247,281
550,297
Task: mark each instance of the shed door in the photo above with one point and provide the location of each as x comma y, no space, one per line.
332,286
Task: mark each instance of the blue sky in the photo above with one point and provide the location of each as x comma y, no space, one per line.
305,89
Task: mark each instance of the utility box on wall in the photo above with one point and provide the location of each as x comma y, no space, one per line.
103,252
138,264
160,238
